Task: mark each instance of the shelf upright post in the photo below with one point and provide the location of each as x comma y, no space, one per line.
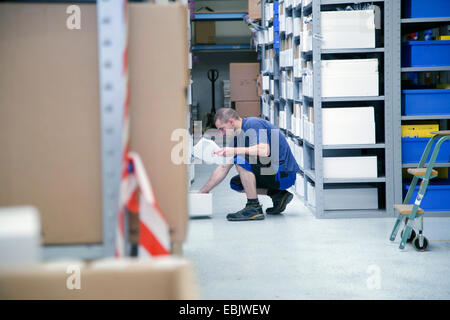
112,44
317,103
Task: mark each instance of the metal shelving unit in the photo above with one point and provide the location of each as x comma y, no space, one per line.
221,47
404,26
219,16
312,170
385,180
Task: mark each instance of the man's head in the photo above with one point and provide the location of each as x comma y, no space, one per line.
227,121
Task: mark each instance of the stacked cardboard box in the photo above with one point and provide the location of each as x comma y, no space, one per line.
205,32
244,88
167,278
50,122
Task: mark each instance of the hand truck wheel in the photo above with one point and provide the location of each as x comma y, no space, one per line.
416,244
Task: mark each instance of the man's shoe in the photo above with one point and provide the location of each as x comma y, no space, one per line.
250,212
280,201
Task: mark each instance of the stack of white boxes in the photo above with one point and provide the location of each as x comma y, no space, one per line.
297,62
307,34
290,84
310,194
354,125
281,16
297,120
282,119
268,13
289,25
308,125
226,93
307,80
265,105
272,112
283,92
297,26
300,185
349,77
266,84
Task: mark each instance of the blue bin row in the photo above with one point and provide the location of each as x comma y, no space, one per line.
426,102
436,196
426,8
413,148
430,53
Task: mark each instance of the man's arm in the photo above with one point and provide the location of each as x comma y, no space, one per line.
258,150
216,177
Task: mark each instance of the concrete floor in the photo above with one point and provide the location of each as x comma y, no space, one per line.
296,256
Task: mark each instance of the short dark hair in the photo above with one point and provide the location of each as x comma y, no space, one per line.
224,114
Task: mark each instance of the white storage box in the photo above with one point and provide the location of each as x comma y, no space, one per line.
310,194
349,77
348,29
265,82
350,198
297,26
350,167
289,25
300,185
348,125
200,204
20,236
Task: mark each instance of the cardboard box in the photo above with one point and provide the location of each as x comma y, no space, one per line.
205,32
158,103
46,159
243,81
128,279
254,9
248,108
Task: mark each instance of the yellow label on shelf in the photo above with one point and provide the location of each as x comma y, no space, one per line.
443,86
444,38
419,130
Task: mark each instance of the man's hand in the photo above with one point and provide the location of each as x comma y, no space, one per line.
203,191
226,152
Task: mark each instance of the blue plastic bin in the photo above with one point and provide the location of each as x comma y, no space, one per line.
412,149
437,196
432,53
426,8
425,102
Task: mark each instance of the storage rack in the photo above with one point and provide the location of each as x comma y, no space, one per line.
220,16
312,171
403,26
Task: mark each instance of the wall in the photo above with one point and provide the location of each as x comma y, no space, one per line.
201,88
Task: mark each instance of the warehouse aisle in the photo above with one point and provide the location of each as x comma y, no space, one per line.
295,256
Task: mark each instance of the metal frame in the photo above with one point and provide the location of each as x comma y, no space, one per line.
313,154
398,24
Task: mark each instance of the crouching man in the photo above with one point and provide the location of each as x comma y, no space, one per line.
263,160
